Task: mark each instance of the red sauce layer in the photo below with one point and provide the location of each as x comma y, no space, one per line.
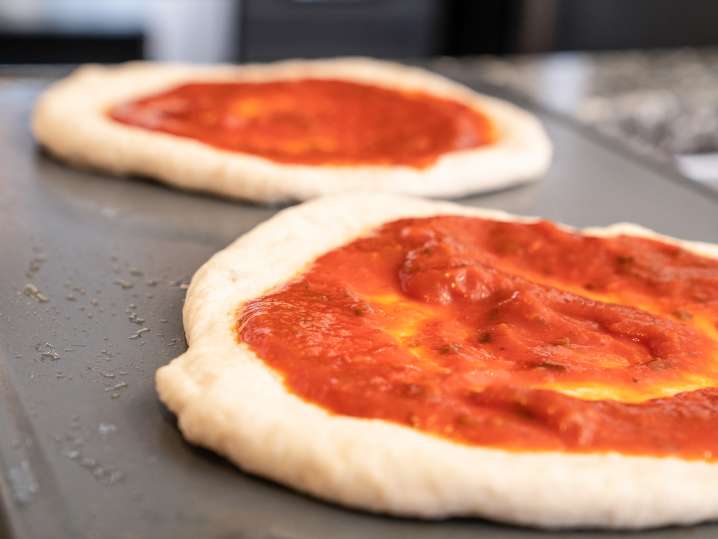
313,121
518,336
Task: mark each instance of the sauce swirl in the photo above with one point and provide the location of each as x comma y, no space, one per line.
313,121
510,335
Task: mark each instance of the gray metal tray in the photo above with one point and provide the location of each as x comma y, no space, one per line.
86,449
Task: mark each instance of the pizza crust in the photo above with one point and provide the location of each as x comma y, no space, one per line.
70,120
228,400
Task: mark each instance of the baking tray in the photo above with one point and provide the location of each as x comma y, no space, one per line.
86,449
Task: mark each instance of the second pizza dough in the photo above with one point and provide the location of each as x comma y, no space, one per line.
79,119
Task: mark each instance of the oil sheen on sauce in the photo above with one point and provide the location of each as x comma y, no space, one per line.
313,121
510,335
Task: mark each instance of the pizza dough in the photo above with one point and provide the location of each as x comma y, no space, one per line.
71,120
228,400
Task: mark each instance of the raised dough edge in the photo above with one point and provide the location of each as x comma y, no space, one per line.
226,399
70,121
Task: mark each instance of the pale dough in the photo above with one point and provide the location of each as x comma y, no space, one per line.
70,120
226,399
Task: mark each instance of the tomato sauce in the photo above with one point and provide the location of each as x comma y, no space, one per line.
510,335
313,121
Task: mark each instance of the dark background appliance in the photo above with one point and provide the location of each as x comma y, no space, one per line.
74,31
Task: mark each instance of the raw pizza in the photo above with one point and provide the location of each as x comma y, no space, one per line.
291,130
429,359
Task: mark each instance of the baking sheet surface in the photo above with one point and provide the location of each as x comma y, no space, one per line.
89,262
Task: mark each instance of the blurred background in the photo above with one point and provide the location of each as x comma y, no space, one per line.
643,72
73,31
